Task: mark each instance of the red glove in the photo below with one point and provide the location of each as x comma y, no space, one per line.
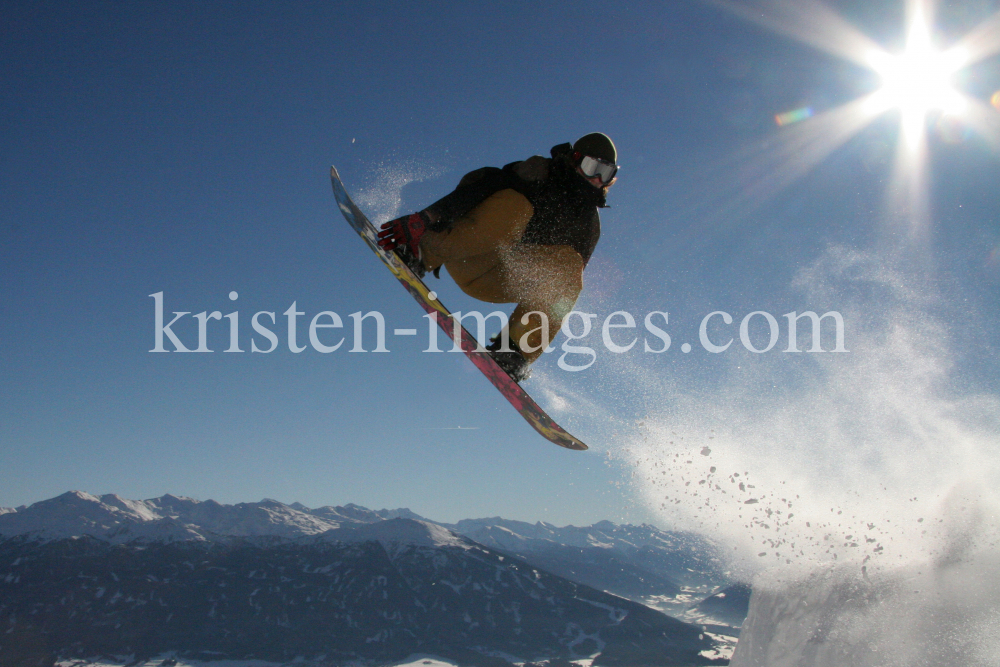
406,231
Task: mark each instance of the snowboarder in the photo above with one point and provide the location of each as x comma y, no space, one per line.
522,234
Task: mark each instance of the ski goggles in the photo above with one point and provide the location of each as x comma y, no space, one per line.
591,166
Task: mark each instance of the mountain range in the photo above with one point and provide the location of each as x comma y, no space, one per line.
82,575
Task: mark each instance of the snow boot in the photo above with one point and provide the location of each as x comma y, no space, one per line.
512,362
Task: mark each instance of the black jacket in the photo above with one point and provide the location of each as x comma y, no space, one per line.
565,205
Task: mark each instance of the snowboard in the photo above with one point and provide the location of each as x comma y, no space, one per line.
476,353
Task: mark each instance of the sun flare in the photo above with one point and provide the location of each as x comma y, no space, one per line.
919,84
918,81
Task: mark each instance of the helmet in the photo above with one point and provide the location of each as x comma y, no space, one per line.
596,145
595,155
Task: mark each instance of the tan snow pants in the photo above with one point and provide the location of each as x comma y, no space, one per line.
483,255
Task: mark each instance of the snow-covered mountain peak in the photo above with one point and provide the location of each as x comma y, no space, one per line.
171,518
519,536
167,518
356,513
400,513
394,534
76,514
271,502
132,507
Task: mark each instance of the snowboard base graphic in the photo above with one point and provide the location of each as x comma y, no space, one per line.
512,391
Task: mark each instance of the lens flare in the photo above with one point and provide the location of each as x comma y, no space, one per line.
993,259
951,129
789,117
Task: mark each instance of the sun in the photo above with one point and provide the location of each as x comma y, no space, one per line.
918,81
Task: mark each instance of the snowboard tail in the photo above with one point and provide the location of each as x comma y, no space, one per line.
477,354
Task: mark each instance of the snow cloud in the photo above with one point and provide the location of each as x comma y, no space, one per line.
877,457
383,199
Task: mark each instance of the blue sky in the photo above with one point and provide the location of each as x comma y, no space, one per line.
184,148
